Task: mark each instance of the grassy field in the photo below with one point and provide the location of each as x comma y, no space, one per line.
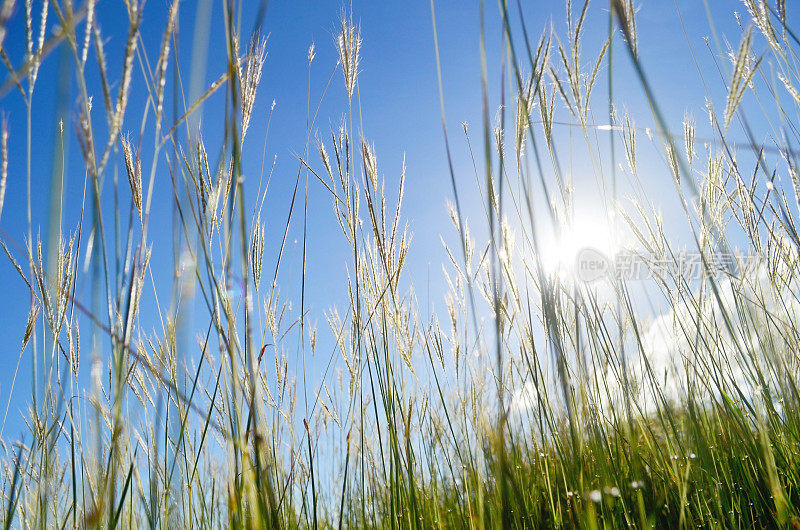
531,399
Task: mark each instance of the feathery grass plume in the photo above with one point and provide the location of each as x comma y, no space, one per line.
257,238
29,31
100,56
131,44
714,190
133,168
33,315
629,16
5,13
348,44
547,108
138,283
759,11
523,110
163,58
790,88
87,36
688,137
629,142
207,191
590,81
84,133
743,70
250,67
74,347
326,162
33,58
370,164
580,84
56,291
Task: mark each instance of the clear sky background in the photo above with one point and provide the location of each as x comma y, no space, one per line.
401,116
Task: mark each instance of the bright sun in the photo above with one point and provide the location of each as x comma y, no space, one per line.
560,252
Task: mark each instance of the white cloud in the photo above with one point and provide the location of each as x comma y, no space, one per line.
761,318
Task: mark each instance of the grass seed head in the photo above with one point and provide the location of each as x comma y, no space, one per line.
348,44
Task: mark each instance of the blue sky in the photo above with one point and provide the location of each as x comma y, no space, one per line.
401,116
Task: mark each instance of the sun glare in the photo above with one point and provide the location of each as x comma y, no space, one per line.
560,252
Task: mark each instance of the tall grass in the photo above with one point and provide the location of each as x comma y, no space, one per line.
531,399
